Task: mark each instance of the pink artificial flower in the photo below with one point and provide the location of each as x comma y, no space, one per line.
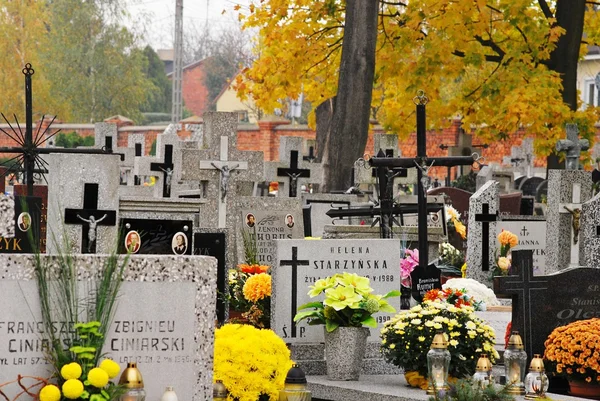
408,264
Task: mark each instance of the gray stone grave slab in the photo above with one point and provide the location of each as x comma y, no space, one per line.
271,223
532,235
315,259
166,299
103,131
320,204
522,158
590,231
221,188
567,190
70,173
484,175
287,145
483,202
7,216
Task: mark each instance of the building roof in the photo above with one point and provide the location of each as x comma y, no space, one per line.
190,66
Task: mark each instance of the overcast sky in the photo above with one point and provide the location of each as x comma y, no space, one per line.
154,19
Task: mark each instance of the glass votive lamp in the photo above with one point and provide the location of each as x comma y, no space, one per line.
295,386
536,381
438,364
515,361
483,372
131,379
219,391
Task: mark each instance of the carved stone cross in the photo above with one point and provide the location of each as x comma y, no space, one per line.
572,146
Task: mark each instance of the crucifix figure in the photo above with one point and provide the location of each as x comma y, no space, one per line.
86,216
225,174
572,146
167,168
168,175
294,172
92,225
574,209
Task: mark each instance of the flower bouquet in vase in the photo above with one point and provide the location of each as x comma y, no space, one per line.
347,308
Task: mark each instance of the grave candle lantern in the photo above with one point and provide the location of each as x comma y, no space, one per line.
219,391
515,360
536,381
295,386
132,380
483,371
438,364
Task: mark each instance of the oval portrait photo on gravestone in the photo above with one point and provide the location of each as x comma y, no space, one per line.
289,221
179,243
250,220
24,221
133,242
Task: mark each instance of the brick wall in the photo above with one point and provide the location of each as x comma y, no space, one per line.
195,93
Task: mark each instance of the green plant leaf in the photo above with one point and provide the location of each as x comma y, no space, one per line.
306,314
331,325
318,305
370,322
387,308
393,293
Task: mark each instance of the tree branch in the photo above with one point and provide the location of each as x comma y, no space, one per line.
488,57
545,9
491,44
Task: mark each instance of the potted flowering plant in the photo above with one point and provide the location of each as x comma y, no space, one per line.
572,351
348,307
507,241
407,337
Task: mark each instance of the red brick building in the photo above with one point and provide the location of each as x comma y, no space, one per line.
196,97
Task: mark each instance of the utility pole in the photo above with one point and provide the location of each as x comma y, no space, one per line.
177,104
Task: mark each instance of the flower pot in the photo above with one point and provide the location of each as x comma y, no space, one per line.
579,388
344,351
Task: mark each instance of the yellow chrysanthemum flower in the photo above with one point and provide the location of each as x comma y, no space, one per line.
50,393
110,367
257,287
71,371
98,377
72,389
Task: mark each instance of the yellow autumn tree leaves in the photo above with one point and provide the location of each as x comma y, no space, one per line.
485,61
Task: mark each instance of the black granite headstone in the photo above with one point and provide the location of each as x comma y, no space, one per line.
156,237
542,303
541,192
424,280
213,244
28,212
529,186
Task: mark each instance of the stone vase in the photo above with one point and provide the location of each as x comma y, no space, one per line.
344,352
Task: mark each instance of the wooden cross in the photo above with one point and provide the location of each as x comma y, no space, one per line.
574,209
485,217
293,172
522,288
89,217
294,262
167,169
225,167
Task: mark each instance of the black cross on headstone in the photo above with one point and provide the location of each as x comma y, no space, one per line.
294,262
522,288
90,217
30,148
311,155
138,153
597,231
524,231
166,168
293,172
262,188
485,217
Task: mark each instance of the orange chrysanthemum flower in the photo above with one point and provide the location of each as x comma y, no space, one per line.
508,238
253,269
257,287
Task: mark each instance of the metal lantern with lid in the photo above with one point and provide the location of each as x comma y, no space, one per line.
483,371
295,386
438,364
131,379
515,362
219,391
536,381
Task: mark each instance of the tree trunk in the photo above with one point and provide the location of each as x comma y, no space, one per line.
565,58
350,126
324,115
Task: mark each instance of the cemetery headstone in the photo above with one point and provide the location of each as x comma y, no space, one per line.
572,146
532,235
567,190
590,227
300,263
542,303
164,321
485,174
483,211
319,204
459,198
541,193
529,185
213,244
39,191
21,223
156,237
83,201
7,216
